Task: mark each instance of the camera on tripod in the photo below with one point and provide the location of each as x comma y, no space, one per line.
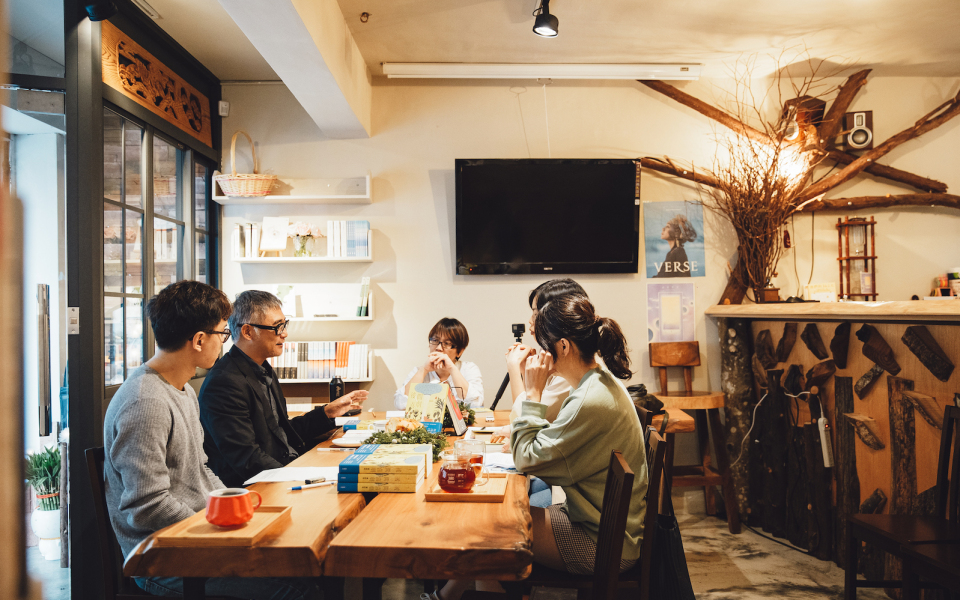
518,330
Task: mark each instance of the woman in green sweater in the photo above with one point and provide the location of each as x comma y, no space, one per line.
573,451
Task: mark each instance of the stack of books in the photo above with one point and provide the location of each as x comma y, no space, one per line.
245,240
363,306
348,239
322,360
385,468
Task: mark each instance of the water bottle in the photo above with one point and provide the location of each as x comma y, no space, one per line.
336,388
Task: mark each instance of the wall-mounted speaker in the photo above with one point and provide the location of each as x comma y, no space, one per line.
858,130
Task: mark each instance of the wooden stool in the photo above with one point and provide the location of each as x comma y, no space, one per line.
706,410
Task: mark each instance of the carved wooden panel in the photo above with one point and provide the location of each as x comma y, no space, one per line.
138,75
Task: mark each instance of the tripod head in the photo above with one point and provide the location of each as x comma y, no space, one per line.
518,330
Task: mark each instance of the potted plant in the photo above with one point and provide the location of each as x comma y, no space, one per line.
43,475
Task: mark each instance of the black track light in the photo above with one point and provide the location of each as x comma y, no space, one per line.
101,11
546,25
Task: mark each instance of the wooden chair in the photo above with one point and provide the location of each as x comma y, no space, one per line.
115,585
606,580
928,544
706,408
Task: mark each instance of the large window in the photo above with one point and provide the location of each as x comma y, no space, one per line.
156,232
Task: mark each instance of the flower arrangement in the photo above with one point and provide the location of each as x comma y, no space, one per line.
303,233
43,475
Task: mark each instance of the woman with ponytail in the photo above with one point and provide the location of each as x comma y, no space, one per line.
574,450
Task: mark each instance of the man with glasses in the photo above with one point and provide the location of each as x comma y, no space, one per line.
242,408
155,471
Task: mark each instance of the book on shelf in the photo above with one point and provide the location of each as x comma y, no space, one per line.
348,239
353,487
322,360
363,308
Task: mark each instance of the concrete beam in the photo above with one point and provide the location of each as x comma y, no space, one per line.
310,47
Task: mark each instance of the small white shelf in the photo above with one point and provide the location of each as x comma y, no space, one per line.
303,259
351,190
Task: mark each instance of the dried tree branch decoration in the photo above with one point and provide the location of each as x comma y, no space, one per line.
760,177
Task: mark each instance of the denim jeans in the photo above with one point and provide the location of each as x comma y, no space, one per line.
248,588
540,493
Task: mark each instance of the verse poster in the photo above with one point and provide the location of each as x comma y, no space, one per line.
670,312
673,239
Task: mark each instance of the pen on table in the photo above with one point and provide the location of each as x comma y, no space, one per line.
312,485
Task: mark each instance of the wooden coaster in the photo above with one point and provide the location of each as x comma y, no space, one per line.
196,531
493,491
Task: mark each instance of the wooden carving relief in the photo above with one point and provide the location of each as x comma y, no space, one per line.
136,74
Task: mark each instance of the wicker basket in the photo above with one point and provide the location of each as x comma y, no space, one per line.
244,184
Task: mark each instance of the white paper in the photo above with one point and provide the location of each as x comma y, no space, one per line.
499,462
395,413
300,474
274,237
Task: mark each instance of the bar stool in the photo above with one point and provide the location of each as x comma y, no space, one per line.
706,410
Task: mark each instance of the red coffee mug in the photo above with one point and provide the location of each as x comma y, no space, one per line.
231,506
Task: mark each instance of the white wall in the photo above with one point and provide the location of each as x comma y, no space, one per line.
420,128
38,176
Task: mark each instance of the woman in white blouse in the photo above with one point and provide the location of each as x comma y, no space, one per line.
445,344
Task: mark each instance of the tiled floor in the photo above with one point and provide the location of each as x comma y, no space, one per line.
722,566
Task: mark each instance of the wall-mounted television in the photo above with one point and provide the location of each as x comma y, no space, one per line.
552,216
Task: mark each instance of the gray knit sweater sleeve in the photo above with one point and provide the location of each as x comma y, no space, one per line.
155,467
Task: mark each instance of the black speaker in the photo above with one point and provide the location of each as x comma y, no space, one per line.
858,130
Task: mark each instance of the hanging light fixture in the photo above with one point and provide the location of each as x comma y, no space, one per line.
546,24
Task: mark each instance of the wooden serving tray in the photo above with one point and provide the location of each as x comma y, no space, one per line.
196,531
493,491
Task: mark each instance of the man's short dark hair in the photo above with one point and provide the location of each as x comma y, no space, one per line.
182,309
250,307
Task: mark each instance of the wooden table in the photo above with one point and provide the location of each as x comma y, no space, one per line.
395,535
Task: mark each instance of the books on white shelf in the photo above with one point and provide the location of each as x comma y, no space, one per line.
348,239
322,360
246,240
363,306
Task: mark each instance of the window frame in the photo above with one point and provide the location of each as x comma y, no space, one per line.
186,161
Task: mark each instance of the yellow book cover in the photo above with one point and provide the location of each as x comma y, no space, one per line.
378,477
414,462
427,402
379,486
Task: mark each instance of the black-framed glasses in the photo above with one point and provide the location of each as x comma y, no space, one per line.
277,329
225,333
434,343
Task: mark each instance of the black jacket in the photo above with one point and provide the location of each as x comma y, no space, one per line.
241,435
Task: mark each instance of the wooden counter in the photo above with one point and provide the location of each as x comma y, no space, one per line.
911,311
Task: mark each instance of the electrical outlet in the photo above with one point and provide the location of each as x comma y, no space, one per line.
224,108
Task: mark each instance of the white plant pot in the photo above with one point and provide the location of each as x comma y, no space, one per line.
46,526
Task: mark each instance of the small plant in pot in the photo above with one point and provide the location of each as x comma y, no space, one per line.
43,475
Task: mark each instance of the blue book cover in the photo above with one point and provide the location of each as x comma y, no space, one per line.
351,424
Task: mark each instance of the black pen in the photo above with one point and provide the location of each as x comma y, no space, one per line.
310,481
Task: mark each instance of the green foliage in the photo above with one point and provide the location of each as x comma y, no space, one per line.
417,436
469,416
43,474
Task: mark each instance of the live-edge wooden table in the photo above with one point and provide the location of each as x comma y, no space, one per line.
396,535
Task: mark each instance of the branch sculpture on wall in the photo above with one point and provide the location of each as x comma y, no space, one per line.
761,177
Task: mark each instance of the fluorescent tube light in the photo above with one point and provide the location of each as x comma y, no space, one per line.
541,71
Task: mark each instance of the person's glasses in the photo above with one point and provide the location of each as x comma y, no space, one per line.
225,333
434,343
277,329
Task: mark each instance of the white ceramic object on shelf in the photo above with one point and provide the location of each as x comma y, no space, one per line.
46,526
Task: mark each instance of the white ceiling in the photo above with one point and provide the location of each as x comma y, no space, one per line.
38,24
895,37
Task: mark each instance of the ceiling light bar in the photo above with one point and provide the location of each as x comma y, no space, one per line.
541,71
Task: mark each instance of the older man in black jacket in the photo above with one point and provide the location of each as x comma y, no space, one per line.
243,411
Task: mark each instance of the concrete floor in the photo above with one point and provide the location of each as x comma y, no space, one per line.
722,566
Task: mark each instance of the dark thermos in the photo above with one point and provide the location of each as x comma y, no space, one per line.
336,388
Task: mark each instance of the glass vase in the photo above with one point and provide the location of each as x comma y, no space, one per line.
304,245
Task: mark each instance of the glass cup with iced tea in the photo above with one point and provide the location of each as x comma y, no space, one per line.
475,449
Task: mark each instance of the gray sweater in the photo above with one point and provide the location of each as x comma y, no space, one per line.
155,468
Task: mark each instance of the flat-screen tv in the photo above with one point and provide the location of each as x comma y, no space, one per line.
548,216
